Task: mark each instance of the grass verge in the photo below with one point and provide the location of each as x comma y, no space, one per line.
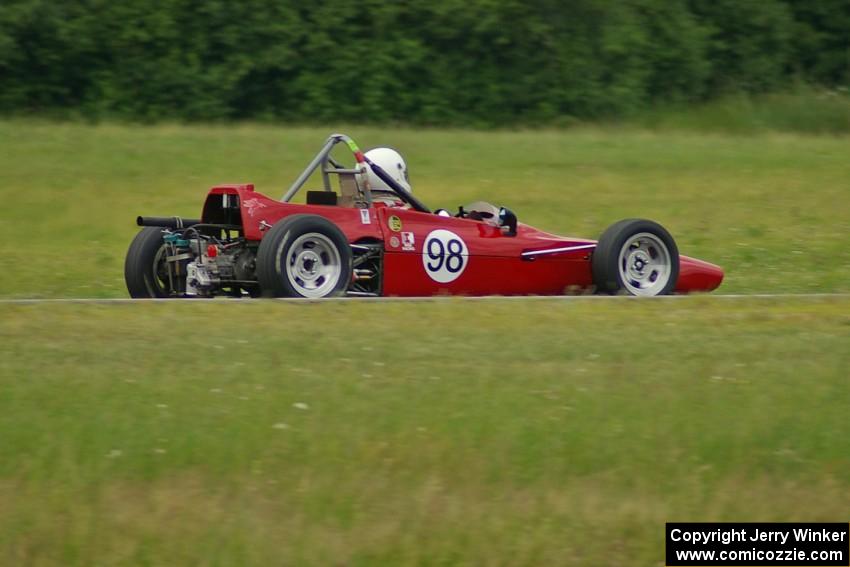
804,110
450,432
771,209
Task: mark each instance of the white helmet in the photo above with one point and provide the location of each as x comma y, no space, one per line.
390,161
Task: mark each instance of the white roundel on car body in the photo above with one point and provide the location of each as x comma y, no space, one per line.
444,256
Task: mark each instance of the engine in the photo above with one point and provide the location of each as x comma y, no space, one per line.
203,265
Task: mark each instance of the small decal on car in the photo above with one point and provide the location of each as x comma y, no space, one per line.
252,205
394,223
407,241
364,216
444,256
394,241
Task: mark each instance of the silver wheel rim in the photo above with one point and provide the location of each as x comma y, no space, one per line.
644,264
313,265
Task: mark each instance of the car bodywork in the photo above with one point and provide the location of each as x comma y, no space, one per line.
401,251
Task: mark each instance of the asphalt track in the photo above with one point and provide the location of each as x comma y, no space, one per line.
438,298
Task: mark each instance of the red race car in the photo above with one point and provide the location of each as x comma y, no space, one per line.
345,241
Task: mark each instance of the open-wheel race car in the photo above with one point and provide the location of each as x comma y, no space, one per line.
344,242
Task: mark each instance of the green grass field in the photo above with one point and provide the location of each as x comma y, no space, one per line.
533,432
452,432
773,209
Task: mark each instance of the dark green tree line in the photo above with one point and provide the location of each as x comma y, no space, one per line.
437,62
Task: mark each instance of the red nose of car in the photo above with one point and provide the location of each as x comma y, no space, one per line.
697,275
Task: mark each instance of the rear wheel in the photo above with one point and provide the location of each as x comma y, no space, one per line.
145,269
636,257
304,256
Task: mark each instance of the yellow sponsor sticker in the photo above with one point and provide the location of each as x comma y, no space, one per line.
394,223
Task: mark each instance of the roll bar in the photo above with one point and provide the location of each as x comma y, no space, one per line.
329,165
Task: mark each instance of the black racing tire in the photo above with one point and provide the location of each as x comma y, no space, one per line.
304,256
635,257
144,266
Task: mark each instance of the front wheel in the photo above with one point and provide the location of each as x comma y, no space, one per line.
304,256
636,257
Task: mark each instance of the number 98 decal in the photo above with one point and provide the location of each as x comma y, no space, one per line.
444,256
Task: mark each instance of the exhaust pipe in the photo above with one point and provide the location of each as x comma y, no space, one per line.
167,222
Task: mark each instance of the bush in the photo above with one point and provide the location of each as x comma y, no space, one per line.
448,62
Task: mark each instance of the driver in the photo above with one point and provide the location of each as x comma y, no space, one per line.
390,161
